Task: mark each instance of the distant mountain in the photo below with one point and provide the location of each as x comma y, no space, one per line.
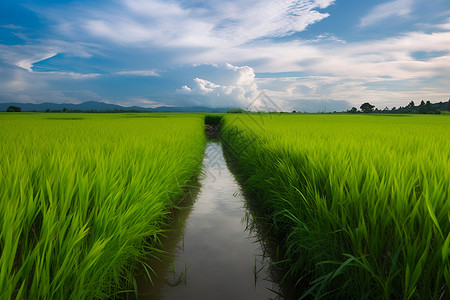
101,107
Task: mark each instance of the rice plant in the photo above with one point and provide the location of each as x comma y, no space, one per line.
83,197
363,202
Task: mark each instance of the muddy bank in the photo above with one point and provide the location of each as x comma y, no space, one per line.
212,131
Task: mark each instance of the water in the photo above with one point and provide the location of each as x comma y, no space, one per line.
214,255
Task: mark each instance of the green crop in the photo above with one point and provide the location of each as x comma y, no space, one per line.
363,202
84,197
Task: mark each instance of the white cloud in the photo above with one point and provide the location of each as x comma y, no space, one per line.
27,63
236,87
186,89
327,37
204,87
445,26
144,73
324,3
170,23
155,8
25,56
397,8
15,80
139,101
390,57
54,75
121,31
241,22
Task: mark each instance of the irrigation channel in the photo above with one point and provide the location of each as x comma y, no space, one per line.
212,250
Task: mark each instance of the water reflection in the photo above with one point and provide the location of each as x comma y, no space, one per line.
215,257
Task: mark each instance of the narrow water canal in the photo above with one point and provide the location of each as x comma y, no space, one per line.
214,255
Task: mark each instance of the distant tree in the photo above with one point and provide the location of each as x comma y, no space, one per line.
13,109
410,105
353,110
422,107
64,109
367,107
429,107
47,110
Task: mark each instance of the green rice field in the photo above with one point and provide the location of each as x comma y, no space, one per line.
361,201
359,204
83,197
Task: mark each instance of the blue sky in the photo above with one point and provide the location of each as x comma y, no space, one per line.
307,55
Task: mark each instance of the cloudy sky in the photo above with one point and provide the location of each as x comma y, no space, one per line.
307,55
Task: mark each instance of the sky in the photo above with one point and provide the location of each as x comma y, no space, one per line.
304,55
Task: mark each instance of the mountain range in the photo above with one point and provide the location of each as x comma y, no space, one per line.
92,106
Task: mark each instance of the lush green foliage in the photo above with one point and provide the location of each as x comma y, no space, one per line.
13,109
363,201
213,119
84,196
235,111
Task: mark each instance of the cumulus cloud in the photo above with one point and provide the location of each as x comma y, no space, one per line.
186,89
235,86
397,8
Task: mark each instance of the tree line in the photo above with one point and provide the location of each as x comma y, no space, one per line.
423,108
